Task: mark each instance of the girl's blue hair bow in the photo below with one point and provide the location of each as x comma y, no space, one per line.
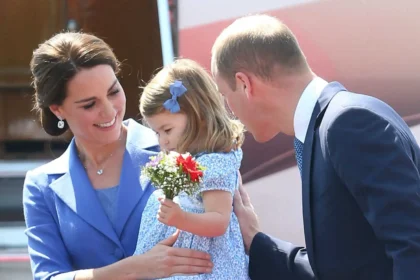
176,89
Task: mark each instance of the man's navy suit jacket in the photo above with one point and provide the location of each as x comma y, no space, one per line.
361,197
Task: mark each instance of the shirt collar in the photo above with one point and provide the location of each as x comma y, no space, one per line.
306,105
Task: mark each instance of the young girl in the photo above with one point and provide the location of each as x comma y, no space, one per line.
182,105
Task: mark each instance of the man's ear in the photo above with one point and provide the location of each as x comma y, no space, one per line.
244,83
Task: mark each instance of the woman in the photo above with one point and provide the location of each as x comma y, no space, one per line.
83,210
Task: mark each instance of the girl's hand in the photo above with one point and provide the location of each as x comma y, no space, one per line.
170,213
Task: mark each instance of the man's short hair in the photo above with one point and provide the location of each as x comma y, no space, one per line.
256,44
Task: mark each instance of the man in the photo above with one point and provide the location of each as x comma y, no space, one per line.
359,162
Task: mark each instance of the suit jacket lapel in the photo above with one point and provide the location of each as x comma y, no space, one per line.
132,190
75,190
322,103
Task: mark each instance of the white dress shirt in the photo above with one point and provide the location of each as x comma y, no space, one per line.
306,106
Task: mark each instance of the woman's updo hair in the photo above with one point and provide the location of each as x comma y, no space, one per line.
58,60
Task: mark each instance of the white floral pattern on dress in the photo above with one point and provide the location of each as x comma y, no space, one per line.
227,251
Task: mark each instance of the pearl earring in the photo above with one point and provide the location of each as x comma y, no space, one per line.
60,123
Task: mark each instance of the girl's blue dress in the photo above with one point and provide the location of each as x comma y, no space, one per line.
227,251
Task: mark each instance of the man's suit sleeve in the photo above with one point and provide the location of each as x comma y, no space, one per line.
272,258
375,161
49,257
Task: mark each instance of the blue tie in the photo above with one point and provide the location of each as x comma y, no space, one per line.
299,153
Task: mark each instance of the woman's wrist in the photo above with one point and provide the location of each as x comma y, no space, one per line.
131,268
121,270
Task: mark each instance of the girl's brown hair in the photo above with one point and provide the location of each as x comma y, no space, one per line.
209,125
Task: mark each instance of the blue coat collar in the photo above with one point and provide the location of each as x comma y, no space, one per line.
139,138
74,187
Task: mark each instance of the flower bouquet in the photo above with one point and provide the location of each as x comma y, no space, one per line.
173,173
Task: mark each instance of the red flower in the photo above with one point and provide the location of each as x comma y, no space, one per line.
195,175
189,166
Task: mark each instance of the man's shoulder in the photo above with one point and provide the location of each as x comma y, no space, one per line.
346,99
351,110
351,103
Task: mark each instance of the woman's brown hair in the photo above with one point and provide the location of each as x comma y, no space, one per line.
55,62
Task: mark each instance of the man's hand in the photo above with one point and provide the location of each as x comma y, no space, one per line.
170,213
248,220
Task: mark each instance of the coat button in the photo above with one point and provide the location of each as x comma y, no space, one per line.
118,253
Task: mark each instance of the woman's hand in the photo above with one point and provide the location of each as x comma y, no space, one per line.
164,261
170,213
